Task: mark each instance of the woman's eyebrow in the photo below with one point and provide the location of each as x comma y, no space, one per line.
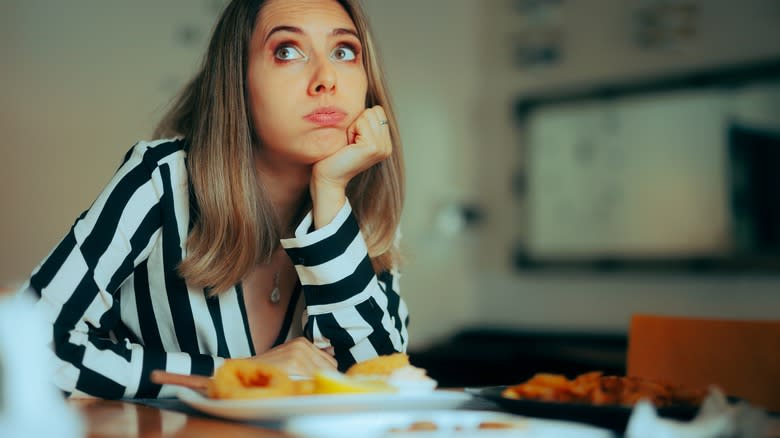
298,30
345,31
291,29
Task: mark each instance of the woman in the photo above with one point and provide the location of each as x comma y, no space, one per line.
276,196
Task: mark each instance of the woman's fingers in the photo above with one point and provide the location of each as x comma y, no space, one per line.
371,127
312,358
370,143
361,129
298,357
328,359
372,136
379,120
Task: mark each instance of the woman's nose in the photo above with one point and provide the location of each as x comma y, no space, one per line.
324,78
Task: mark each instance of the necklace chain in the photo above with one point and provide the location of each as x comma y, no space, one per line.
276,294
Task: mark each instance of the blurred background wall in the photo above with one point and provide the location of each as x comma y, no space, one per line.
82,81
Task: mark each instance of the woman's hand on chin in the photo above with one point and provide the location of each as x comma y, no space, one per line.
298,357
370,143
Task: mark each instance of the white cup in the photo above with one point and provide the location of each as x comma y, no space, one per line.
30,404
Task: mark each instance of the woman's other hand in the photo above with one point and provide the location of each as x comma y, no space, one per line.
298,357
369,143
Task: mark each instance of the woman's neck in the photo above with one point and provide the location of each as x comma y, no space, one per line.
287,186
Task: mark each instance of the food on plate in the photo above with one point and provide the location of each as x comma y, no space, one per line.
395,370
430,426
380,365
333,382
250,379
496,425
597,389
304,386
419,426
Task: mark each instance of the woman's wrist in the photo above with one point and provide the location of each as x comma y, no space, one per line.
327,199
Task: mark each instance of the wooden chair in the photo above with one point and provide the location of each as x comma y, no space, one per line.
740,356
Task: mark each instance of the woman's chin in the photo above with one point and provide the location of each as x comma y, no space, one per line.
325,142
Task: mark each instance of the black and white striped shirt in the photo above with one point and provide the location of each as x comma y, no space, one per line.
118,309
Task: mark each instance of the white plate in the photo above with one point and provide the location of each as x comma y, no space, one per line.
456,424
282,407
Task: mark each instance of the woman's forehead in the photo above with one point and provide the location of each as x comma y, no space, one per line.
308,15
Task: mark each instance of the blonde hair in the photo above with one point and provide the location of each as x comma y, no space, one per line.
236,225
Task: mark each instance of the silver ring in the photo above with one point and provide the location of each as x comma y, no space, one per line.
382,122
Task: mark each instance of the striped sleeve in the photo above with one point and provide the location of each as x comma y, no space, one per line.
77,282
349,308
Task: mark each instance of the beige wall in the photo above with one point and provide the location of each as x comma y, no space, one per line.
81,81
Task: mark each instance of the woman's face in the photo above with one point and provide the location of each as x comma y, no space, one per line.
306,81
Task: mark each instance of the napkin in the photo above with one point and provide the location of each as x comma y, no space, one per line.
30,404
716,418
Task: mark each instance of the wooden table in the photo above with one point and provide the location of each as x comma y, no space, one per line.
118,419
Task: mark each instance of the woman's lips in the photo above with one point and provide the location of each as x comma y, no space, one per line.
326,116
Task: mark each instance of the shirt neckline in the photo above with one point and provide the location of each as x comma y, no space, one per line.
286,322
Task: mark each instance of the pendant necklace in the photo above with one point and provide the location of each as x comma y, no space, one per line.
276,294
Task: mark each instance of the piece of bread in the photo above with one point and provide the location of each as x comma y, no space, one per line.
249,379
380,365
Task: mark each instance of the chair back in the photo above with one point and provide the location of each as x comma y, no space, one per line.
740,356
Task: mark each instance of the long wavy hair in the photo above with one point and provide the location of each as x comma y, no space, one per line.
236,226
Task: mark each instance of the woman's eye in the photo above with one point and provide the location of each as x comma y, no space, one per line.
344,53
288,53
